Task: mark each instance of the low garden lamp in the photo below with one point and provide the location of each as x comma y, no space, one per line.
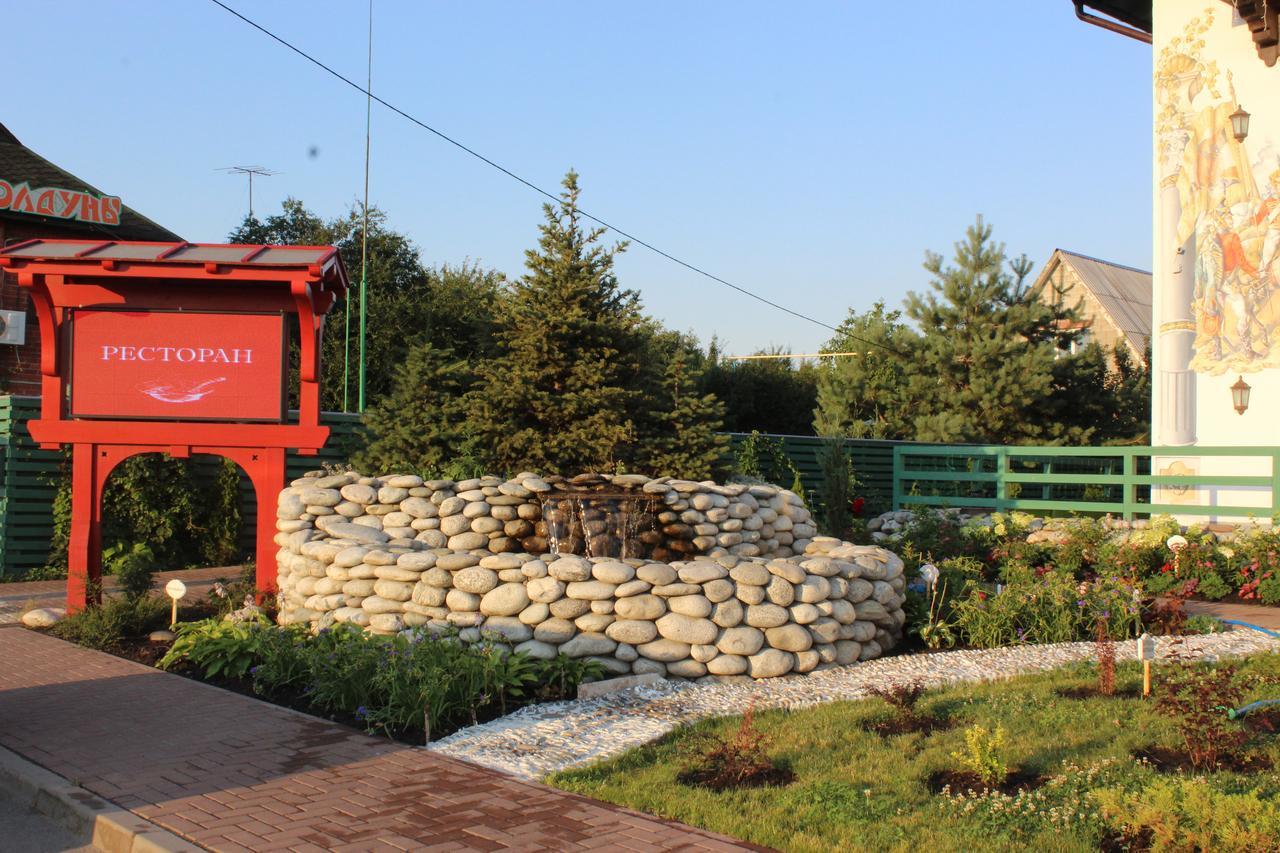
1176,543
1240,395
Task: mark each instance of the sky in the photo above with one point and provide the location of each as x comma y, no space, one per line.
809,152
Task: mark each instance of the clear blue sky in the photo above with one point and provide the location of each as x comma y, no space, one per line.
810,152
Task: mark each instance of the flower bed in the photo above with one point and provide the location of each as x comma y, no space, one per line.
412,687
1005,579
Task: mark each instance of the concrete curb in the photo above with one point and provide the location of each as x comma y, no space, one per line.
114,830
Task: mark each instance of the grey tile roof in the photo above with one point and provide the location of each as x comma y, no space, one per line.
19,163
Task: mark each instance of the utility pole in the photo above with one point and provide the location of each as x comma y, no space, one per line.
250,171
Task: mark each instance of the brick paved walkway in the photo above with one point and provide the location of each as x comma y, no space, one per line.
1254,614
232,773
18,598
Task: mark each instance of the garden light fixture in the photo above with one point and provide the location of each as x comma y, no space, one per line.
1239,123
1240,395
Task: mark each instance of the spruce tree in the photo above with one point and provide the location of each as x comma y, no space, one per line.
682,437
560,393
864,395
420,425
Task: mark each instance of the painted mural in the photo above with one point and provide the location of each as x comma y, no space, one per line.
1227,209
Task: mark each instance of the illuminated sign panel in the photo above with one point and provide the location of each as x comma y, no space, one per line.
59,203
177,365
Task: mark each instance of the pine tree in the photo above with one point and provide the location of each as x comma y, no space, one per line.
561,392
684,441
984,370
419,426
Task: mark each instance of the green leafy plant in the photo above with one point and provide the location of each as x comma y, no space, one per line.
982,754
219,648
936,632
1045,606
764,458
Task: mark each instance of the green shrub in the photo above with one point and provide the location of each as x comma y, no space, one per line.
1202,624
110,624
982,754
133,567
1196,698
1182,814
1203,562
169,504
1082,547
1045,606
764,458
930,536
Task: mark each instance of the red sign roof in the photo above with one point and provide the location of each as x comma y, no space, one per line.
223,254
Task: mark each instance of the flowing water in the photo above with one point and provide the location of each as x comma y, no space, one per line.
594,524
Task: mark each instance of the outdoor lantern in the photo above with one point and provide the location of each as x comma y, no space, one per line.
1240,395
1240,123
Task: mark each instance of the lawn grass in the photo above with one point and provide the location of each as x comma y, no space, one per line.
856,790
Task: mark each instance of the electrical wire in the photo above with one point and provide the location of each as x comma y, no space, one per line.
555,199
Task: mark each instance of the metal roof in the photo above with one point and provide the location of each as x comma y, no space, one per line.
1124,293
171,253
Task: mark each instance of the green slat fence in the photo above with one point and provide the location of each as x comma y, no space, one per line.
1081,480
872,462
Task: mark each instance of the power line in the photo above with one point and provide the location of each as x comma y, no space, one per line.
555,199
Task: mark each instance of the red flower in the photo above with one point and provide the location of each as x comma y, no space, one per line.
856,505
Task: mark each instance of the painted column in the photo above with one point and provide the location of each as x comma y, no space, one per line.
1176,418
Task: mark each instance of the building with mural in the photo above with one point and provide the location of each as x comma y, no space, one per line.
1216,221
41,200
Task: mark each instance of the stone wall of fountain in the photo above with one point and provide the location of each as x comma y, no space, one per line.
690,580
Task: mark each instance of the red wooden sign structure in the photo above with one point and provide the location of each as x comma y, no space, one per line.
174,348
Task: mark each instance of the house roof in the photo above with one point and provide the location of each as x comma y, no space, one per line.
1135,13
19,163
1124,293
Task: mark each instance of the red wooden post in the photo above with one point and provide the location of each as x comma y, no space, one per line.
84,551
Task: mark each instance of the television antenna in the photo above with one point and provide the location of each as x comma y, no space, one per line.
250,171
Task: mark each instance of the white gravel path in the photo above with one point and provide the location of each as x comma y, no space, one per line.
542,739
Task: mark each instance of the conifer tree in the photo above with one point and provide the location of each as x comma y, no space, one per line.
420,425
561,392
984,367
683,439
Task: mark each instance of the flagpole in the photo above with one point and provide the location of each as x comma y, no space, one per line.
364,228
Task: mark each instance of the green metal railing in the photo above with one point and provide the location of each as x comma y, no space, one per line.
1075,480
